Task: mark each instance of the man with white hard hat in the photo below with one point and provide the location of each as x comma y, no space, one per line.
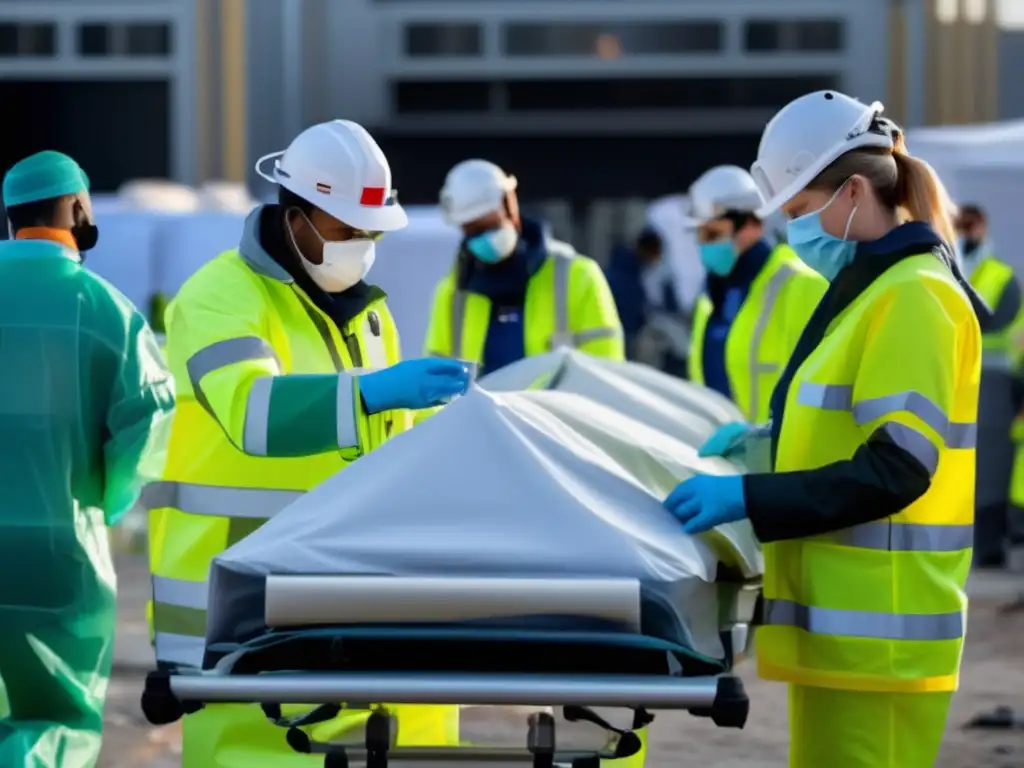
288,369
515,291
756,301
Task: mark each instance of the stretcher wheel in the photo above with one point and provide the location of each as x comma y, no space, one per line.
159,704
731,706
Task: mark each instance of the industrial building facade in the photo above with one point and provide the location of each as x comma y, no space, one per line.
583,98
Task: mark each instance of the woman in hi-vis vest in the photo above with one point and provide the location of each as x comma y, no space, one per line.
867,517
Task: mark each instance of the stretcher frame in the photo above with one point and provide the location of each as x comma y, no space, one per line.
171,694
722,698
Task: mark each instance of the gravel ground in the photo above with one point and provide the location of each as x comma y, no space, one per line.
993,674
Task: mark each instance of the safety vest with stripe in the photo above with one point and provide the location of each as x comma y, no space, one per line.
568,304
268,408
765,331
881,606
990,278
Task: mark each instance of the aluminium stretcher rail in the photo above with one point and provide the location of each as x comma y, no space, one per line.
652,692
168,696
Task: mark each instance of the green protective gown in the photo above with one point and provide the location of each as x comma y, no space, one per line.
85,407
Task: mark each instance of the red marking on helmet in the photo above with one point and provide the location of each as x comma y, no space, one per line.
373,196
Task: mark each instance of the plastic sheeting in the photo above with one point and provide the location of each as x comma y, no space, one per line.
526,484
685,411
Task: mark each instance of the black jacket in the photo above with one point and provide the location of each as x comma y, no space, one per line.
881,478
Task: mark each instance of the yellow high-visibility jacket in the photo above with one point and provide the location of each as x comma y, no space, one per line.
568,303
879,606
269,407
765,331
994,280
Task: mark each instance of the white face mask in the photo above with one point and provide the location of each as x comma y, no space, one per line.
345,262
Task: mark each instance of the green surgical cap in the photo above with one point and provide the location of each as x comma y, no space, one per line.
43,176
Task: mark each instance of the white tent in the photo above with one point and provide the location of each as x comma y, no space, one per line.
981,164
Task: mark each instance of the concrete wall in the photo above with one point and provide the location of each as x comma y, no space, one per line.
310,60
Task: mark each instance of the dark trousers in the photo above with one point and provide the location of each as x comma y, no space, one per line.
990,532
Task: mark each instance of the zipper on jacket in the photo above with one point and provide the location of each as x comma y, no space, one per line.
354,351
325,332
351,344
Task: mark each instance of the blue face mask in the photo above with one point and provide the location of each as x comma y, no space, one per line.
718,257
494,246
822,252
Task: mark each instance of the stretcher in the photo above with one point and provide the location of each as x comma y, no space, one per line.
438,653
533,568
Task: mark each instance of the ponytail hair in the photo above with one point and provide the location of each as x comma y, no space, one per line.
902,182
921,193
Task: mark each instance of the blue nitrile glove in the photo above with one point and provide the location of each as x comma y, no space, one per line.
724,439
705,501
414,384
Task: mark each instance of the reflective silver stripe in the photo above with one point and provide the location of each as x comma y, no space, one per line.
457,319
912,402
839,397
375,353
185,594
914,443
906,537
345,412
257,417
828,397
962,434
218,501
868,624
771,296
184,650
593,334
228,352
996,360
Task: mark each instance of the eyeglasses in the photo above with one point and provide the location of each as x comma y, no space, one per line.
365,234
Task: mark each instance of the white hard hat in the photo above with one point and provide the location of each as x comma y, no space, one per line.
339,168
472,189
719,190
806,136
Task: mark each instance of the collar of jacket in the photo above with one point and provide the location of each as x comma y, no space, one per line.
263,248
507,281
52,234
915,237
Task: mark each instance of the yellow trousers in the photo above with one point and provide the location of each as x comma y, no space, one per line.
850,729
240,736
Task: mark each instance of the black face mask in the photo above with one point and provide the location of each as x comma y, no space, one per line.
971,244
86,233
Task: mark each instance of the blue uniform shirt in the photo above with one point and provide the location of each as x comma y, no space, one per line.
505,284
727,295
